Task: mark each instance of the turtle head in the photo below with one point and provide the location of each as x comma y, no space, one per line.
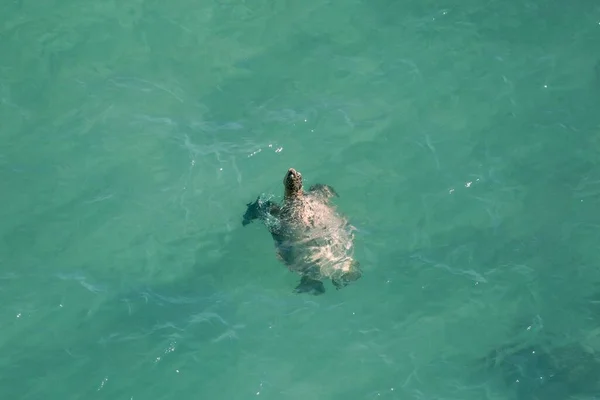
292,182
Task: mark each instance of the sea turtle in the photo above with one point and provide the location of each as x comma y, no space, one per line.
311,237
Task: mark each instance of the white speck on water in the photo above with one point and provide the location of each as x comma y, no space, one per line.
255,152
102,384
468,184
220,169
19,315
451,191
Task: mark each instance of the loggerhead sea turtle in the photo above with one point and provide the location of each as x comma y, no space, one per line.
311,237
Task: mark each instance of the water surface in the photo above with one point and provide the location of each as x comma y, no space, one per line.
462,138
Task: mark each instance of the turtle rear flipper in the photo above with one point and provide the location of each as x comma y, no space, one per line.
323,190
353,275
309,285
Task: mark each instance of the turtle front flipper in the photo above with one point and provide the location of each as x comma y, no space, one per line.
309,285
323,190
258,210
273,208
252,212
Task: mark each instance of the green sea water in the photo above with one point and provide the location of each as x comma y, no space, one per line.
463,138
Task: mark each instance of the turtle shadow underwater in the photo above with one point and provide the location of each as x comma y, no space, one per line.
530,360
311,237
545,367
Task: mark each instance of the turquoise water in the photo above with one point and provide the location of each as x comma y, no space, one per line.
462,136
